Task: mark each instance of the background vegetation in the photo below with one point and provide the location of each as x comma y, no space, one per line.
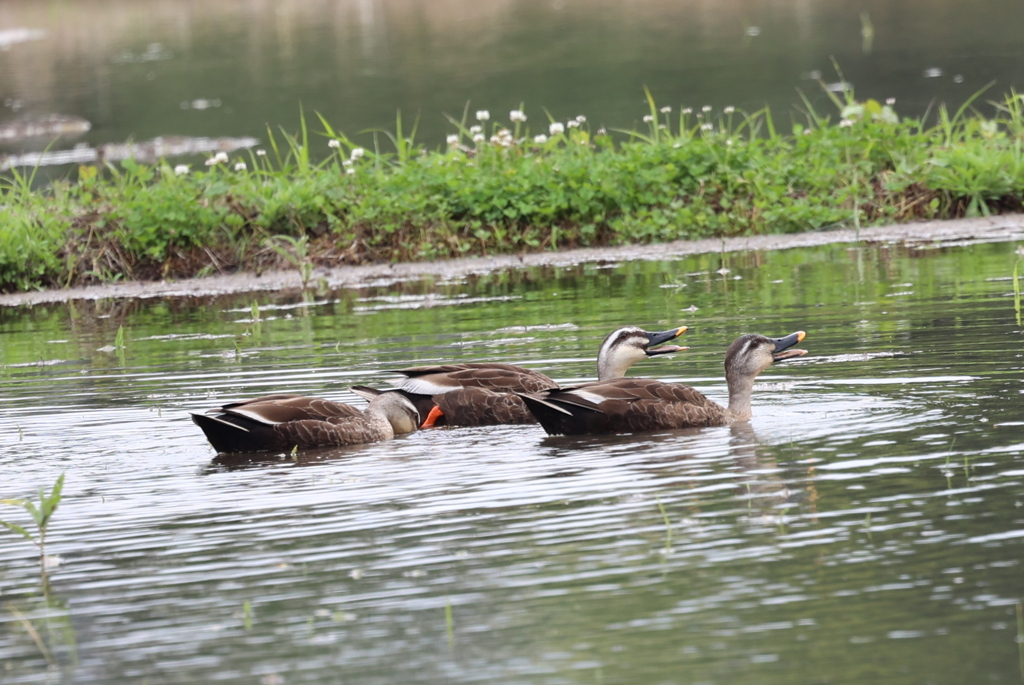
499,187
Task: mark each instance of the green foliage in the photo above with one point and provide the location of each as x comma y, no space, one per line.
41,514
502,189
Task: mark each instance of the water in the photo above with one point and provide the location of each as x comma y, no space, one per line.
866,527
136,70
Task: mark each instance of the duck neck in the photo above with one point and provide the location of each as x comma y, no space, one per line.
377,417
612,366
741,389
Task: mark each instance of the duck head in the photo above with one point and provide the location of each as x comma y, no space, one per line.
628,345
747,357
398,409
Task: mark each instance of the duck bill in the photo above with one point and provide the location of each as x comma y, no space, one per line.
784,346
664,337
665,349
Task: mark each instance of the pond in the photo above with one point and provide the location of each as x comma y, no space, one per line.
137,69
866,526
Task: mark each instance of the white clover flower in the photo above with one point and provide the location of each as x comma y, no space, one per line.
688,110
482,115
240,166
181,170
706,108
347,163
453,139
473,130
890,101
517,115
665,110
580,119
707,127
357,152
540,138
211,161
728,141
503,138
350,171
478,138
648,118
572,123
808,131
556,127
333,144
221,157
602,131
261,153
729,110
846,123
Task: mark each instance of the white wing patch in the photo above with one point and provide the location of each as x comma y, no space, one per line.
584,394
428,386
242,411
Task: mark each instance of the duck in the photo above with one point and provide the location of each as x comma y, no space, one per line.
484,393
629,405
285,422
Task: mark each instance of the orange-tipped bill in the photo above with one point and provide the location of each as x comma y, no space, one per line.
784,346
664,337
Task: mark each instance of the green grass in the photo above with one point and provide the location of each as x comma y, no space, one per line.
41,514
510,188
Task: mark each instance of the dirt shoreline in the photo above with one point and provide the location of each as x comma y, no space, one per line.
959,231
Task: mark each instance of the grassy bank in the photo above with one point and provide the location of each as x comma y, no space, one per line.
511,186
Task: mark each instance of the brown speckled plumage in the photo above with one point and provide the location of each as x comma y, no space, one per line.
627,405
282,422
485,394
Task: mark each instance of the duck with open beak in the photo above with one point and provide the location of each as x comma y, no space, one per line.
484,393
627,405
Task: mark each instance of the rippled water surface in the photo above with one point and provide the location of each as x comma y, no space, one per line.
867,526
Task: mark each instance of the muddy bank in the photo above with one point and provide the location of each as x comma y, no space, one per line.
960,231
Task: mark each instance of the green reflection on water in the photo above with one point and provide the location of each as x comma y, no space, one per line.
866,527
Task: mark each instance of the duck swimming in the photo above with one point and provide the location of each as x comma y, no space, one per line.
283,422
627,405
484,393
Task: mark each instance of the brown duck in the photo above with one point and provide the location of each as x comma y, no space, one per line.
283,422
628,405
484,394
